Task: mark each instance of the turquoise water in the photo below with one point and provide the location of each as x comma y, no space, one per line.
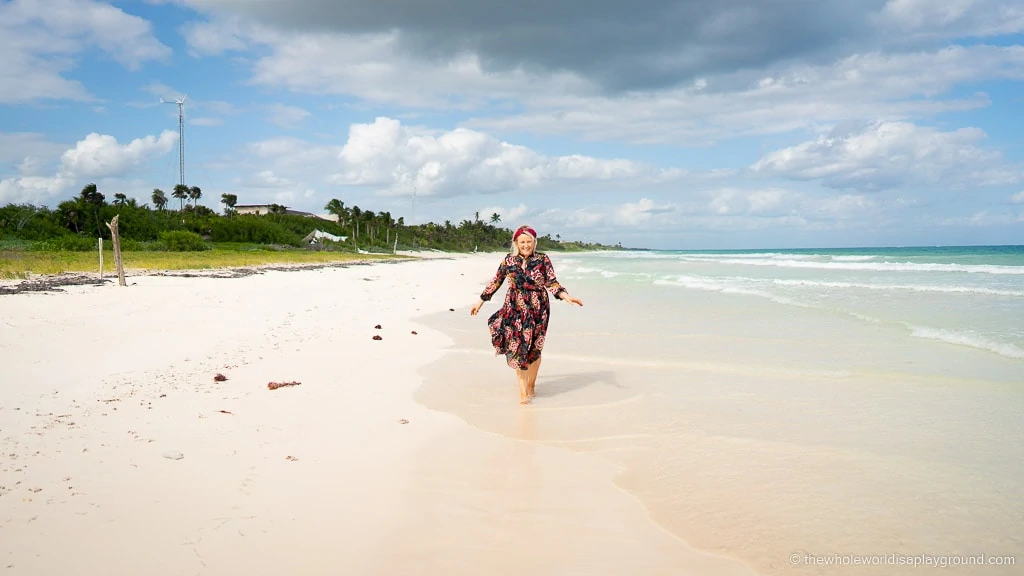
965,296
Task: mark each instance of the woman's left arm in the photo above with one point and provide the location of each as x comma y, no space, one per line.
554,286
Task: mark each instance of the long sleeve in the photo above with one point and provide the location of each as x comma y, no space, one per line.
553,285
494,284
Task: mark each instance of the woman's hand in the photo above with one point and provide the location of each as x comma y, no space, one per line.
571,300
476,308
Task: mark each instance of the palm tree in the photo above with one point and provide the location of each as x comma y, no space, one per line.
229,201
90,196
194,194
120,199
356,212
159,198
337,207
495,218
69,213
180,192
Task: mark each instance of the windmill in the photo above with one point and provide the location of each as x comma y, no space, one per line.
181,135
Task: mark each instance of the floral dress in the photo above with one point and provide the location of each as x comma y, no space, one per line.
519,327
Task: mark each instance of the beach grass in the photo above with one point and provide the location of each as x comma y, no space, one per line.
19,264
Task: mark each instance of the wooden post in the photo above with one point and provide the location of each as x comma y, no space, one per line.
100,240
117,250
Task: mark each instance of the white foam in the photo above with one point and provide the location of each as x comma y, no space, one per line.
714,285
740,281
907,287
748,256
852,258
967,339
872,266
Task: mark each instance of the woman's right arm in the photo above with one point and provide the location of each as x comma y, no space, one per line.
490,289
494,284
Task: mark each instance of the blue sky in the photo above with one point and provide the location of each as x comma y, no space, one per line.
659,124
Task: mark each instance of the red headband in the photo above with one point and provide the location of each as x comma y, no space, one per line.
522,229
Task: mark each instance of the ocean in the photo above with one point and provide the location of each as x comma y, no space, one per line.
834,411
969,296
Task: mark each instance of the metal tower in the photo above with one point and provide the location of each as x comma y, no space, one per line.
181,135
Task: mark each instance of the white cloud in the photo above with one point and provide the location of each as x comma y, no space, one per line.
30,189
375,68
100,156
575,219
884,155
640,212
399,159
756,202
95,158
287,116
1018,198
213,39
294,157
41,40
953,17
981,219
799,96
264,179
842,207
510,216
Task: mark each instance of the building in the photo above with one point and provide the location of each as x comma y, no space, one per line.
261,209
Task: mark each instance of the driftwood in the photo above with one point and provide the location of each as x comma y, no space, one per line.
100,242
276,385
117,250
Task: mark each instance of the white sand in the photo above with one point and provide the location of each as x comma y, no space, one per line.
99,383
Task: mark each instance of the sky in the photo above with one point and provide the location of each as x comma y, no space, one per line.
659,124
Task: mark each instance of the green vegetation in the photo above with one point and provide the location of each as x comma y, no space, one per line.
41,240
15,263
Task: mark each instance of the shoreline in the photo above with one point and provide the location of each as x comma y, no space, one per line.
116,431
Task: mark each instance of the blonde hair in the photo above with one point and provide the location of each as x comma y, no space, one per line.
514,250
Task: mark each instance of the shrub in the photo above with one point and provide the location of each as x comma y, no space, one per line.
68,244
252,229
182,241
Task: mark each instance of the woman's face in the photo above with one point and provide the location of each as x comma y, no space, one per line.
525,244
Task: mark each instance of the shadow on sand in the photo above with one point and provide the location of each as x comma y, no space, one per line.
556,385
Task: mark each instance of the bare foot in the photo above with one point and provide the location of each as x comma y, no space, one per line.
530,392
525,399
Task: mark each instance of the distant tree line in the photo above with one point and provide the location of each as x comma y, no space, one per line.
77,222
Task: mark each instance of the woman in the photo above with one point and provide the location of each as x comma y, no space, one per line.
519,327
